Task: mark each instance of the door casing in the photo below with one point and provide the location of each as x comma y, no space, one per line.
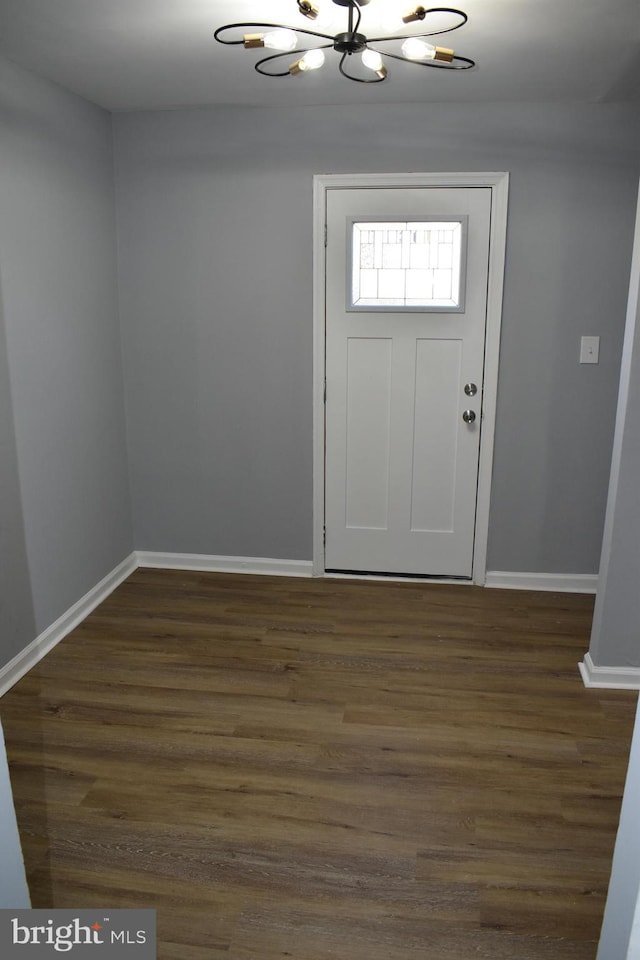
498,182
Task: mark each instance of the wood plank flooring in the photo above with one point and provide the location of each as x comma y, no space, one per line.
320,769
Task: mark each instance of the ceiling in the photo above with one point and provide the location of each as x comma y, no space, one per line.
155,54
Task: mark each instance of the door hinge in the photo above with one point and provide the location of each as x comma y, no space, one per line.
324,392
325,234
324,536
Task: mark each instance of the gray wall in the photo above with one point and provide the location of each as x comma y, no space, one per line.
615,636
64,500
17,623
215,246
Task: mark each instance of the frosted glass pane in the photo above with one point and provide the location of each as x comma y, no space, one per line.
391,284
418,255
419,282
445,255
369,283
406,264
366,255
391,256
442,284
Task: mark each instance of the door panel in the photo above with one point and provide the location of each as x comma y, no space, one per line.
401,464
434,434
367,447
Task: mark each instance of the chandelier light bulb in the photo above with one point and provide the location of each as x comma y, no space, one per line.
280,40
390,18
374,62
312,60
372,59
416,49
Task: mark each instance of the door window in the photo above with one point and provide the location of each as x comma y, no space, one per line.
407,265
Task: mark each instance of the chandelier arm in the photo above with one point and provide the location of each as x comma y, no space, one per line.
277,26
459,13
464,63
355,79
359,9
292,54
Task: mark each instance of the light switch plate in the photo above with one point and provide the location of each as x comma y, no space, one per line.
589,349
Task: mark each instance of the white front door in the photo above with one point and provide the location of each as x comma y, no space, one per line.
406,305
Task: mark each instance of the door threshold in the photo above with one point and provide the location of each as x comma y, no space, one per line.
395,577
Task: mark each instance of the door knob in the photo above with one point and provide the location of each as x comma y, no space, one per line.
470,389
469,416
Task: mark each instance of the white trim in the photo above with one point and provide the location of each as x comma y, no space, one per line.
499,184
613,678
553,582
320,187
497,254
205,562
46,641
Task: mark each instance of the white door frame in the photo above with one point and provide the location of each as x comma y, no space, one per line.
499,185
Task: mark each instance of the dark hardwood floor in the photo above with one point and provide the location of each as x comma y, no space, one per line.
320,769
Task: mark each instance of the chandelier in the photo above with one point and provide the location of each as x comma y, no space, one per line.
284,39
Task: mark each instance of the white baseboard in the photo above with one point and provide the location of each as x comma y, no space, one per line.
554,582
614,678
207,563
558,582
36,650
